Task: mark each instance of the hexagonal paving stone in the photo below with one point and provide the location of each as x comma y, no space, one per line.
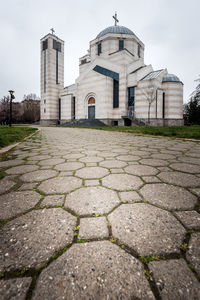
92,172
60,185
6,185
92,228
175,280
90,159
191,219
10,163
30,240
102,271
16,202
21,169
39,157
139,152
151,179
113,164
191,160
91,200
168,196
51,162
154,162
163,156
122,182
128,157
107,154
73,155
193,254
141,170
188,168
27,186
14,289
69,166
147,229
130,196
38,175
52,200
180,178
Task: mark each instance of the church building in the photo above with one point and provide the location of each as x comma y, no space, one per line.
114,86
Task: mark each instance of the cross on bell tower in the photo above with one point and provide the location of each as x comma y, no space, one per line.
115,18
52,30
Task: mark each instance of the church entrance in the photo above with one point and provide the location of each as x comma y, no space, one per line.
91,108
91,112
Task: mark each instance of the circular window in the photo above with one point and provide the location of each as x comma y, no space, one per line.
91,100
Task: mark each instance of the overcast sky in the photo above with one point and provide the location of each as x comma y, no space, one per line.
170,30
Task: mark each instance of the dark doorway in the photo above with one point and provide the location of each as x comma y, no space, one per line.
127,122
91,112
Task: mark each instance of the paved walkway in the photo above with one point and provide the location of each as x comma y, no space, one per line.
91,214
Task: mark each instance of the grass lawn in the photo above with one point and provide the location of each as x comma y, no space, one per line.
9,135
190,132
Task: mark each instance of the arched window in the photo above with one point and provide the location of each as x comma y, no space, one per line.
91,100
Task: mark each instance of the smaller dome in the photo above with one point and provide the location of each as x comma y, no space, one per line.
115,29
170,77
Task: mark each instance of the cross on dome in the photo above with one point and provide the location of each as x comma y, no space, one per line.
115,18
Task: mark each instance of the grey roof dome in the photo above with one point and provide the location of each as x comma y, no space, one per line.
115,29
170,77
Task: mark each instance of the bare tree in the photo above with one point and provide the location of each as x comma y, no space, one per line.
4,110
31,110
150,96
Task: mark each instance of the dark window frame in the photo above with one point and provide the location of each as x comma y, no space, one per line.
163,108
99,49
56,66
56,45
45,69
121,45
139,50
115,93
131,96
45,45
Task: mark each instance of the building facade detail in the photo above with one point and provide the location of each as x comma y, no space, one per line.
114,85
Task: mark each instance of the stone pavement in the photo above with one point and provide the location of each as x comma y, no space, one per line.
88,214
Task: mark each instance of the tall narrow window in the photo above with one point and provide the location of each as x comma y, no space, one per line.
73,108
56,66
139,50
99,49
163,110
45,66
115,93
59,109
131,96
45,44
121,45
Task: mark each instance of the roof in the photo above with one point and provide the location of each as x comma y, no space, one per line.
170,78
138,69
115,29
152,75
70,86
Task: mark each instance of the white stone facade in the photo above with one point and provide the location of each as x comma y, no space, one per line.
114,84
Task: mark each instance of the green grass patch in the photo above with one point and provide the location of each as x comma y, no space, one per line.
190,132
9,135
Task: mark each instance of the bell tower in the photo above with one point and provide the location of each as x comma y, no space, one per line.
52,77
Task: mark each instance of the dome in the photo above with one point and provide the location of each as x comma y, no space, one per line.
170,77
115,29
